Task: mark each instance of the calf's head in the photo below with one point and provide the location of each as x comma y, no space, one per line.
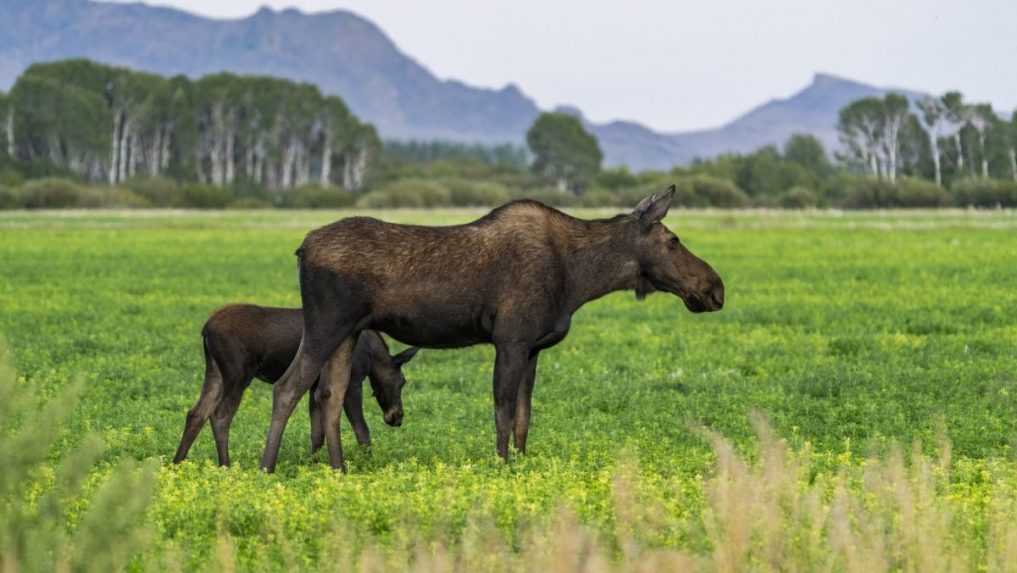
387,381
664,262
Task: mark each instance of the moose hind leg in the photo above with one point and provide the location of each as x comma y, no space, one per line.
221,421
510,366
211,395
335,378
315,348
524,400
317,430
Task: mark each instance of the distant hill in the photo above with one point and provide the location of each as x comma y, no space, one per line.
347,55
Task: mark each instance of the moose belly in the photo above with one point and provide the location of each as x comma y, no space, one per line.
434,325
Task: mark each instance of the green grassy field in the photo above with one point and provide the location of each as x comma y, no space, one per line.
850,331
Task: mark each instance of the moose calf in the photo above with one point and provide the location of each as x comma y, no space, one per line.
243,342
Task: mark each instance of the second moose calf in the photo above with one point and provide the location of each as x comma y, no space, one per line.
242,342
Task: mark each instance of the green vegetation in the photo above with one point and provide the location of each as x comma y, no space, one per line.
851,332
100,136
564,152
105,124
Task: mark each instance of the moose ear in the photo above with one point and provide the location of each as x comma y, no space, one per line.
404,356
653,209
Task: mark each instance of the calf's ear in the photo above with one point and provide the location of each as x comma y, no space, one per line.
405,356
653,209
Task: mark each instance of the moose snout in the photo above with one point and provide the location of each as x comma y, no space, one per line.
394,417
715,296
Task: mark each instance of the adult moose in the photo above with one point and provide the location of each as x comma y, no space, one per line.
512,278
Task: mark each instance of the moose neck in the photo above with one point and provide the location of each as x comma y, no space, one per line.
598,260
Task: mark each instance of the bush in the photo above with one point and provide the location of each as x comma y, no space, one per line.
798,198
985,193
867,193
52,193
550,197
250,203
204,197
317,197
158,191
599,198
913,193
464,193
716,192
122,197
9,198
414,193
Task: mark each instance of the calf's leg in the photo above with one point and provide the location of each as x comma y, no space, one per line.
510,366
211,395
223,418
523,402
354,407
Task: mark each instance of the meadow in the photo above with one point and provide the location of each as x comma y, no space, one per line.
855,397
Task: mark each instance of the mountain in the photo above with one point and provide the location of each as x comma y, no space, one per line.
347,55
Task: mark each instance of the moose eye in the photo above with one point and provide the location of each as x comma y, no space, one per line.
673,243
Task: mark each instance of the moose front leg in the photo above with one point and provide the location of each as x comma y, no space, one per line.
523,401
335,378
354,407
510,367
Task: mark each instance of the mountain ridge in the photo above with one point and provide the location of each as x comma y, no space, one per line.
348,55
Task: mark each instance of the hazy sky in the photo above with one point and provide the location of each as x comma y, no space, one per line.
678,65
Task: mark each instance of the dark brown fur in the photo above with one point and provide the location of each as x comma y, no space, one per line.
242,342
513,279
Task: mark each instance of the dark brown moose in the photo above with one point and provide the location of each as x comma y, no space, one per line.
512,278
244,341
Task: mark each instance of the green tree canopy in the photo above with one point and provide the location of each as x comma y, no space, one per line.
807,151
563,150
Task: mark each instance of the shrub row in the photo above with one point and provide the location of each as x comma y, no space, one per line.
692,191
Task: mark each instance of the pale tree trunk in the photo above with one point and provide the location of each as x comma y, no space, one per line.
114,165
164,154
873,164
231,167
354,170
303,167
153,153
960,151
934,144
199,163
9,131
326,160
136,155
1013,163
216,145
985,158
55,155
249,161
125,149
289,164
259,162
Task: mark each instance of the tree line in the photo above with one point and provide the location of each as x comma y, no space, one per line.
227,140
107,124
940,138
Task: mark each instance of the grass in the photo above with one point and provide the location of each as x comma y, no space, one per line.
857,334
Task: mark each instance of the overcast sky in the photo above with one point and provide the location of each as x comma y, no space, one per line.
678,65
